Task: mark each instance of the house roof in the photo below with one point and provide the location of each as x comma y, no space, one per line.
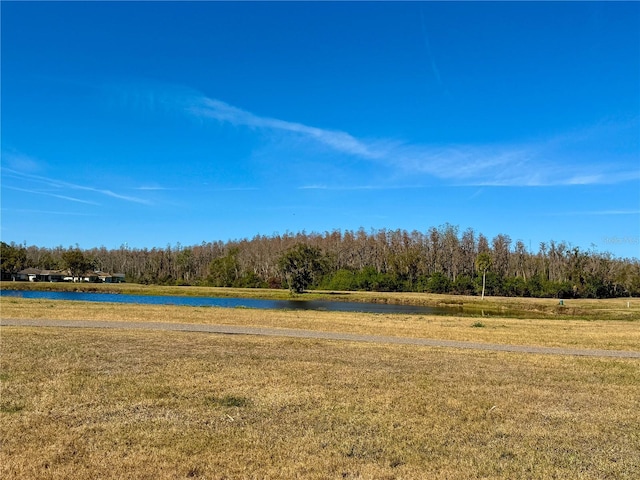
30,271
54,272
89,274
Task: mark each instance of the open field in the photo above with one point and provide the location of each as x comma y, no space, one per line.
617,308
97,403
82,404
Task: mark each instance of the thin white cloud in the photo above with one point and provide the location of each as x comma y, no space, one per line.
49,194
595,213
614,212
358,187
337,140
59,184
19,161
46,212
232,189
585,179
109,193
205,188
153,189
427,46
557,161
476,194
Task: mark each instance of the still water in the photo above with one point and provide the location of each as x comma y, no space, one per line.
321,305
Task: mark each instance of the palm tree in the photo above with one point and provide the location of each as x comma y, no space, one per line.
483,262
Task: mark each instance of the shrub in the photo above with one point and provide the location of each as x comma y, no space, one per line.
438,283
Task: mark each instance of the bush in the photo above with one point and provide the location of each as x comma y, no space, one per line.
250,280
438,283
370,279
463,285
515,287
340,280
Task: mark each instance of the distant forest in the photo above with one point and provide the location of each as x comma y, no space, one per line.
440,260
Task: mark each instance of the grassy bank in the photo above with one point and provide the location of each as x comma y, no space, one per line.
115,404
619,308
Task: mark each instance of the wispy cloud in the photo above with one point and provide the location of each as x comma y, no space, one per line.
358,187
154,188
341,141
49,194
19,161
595,213
427,46
65,186
232,189
476,194
46,212
584,157
614,212
204,187
552,162
112,194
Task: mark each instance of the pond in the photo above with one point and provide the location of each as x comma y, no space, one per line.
318,305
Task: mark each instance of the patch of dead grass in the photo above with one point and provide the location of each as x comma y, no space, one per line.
125,404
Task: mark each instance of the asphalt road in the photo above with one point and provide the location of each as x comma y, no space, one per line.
312,334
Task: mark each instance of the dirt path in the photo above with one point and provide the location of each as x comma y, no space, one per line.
312,334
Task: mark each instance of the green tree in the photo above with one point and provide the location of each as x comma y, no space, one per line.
76,261
48,262
483,264
13,258
438,283
370,279
515,287
463,285
184,261
340,280
224,271
301,265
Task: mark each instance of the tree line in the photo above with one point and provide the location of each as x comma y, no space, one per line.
441,260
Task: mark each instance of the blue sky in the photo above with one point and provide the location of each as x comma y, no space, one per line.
156,123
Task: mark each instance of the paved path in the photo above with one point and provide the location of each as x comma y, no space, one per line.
313,334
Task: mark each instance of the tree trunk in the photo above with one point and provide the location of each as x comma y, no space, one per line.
484,279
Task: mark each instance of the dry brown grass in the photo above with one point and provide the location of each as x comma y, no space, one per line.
80,404
558,332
